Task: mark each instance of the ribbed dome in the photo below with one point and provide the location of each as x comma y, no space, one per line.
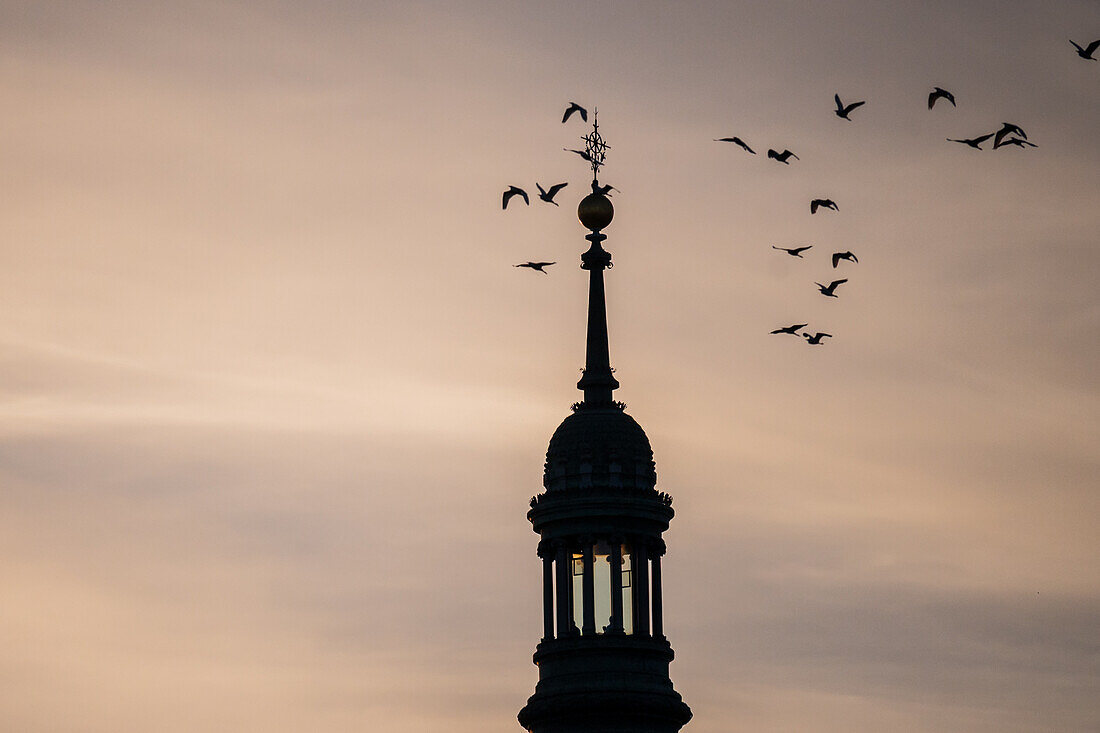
599,447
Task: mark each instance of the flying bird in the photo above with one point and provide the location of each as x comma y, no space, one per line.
1014,141
838,256
536,266
514,191
583,153
827,203
791,329
1088,51
548,196
938,94
605,190
794,251
842,111
1008,129
827,290
736,141
783,157
574,107
974,142
815,340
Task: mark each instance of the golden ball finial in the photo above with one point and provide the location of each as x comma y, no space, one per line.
595,211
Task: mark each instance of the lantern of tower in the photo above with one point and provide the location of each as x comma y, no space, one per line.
603,659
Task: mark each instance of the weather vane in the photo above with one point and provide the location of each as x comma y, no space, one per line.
595,148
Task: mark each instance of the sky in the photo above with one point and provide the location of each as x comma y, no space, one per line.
273,399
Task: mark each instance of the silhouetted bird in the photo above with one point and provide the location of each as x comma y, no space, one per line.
584,154
736,141
783,157
827,203
514,191
974,142
1014,141
940,94
1008,129
791,329
605,190
815,340
548,196
794,251
536,266
574,107
827,290
841,111
838,256
1088,51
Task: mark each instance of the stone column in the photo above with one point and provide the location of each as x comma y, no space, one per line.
616,560
588,589
547,596
658,611
565,583
640,571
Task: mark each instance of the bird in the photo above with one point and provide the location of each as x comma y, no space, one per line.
827,290
791,329
815,340
783,157
1014,141
536,266
736,141
1008,129
827,203
548,196
574,107
514,191
1087,51
605,190
841,111
794,251
938,94
583,153
838,256
974,142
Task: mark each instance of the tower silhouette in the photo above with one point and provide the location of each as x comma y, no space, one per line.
603,659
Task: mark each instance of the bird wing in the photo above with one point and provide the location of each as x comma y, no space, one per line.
852,257
932,99
983,138
1079,49
743,144
1092,47
788,152
813,206
801,249
831,204
542,264
555,188
773,154
823,335
853,105
542,191
834,283
836,259
839,104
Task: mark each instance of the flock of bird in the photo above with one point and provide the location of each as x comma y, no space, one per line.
548,194
1008,134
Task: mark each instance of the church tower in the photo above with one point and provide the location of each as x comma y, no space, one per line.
603,659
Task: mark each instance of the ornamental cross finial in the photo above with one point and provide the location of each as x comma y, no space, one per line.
595,148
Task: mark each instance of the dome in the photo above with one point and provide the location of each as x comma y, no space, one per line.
599,447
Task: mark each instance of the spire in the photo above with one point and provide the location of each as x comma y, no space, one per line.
596,212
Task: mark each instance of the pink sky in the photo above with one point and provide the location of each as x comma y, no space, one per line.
273,398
